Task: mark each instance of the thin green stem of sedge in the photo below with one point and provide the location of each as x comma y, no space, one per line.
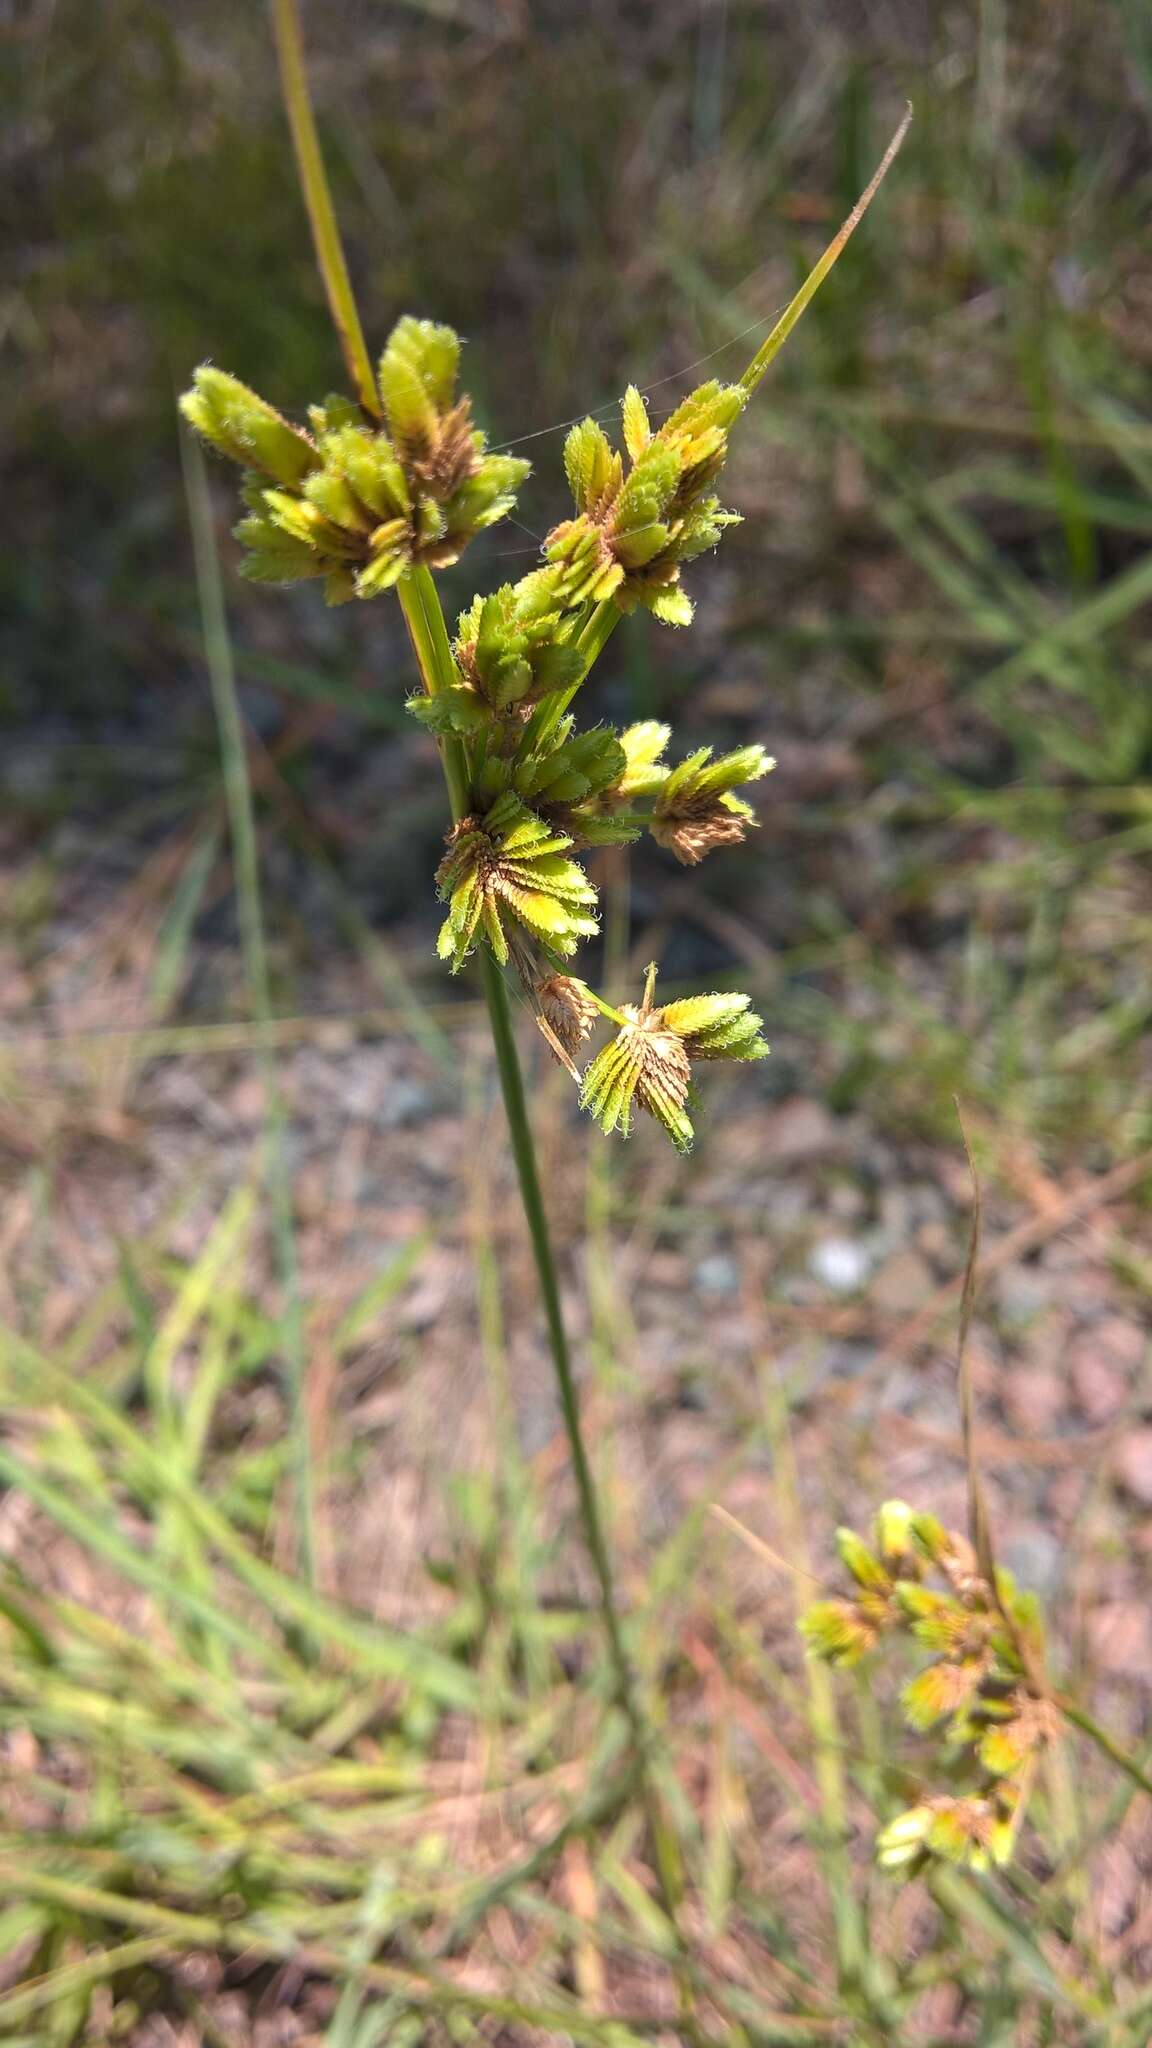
615,1016
590,641
424,618
422,610
1084,1721
318,200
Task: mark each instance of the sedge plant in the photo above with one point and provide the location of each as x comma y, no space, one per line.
381,489
982,1685
984,1696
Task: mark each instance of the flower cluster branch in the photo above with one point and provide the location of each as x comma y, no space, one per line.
362,506
983,1687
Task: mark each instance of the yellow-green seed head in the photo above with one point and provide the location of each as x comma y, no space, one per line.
634,528
510,867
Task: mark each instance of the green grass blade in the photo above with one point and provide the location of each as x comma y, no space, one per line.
292,1602
242,824
816,276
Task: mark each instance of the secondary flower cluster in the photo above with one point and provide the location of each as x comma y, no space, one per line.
987,1647
366,504
633,530
350,502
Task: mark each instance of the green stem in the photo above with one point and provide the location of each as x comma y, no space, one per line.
318,200
1081,1719
606,1009
420,600
245,853
590,642
523,1149
593,636
424,618
668,1868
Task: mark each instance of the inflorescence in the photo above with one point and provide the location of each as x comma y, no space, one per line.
362,503
984,1686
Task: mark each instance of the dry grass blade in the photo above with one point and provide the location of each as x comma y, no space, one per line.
763,1550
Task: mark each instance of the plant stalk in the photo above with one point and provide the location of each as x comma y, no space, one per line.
590,642
424,617
318,200
1080,1718
423,614
668,1866
524,1152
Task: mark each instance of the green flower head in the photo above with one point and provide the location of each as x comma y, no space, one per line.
839,1631
349,503
649,1062
695,808
511,866
893,1533
510,647
975,1832
573,767
866,1569
634,529
645,771
247,429
606,816
983,1693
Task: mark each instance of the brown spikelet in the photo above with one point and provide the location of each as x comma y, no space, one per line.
567,1008
664,1076
697,828
448,457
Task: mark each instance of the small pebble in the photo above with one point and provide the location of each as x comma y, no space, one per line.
840,1263
718,1274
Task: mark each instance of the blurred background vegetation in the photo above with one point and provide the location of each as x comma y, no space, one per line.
943,565
935,615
